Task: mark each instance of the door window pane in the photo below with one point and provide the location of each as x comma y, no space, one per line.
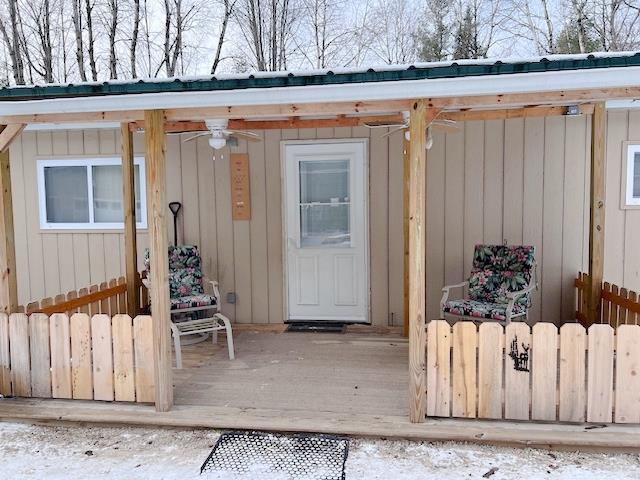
324,225
66,194
325,181
324,203
107,193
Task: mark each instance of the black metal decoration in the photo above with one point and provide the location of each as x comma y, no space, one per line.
520,359
175,208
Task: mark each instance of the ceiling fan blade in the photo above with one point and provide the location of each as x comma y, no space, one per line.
254,137
448,128
399,129
196,136
383,124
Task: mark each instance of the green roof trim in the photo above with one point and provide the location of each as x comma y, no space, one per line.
417,72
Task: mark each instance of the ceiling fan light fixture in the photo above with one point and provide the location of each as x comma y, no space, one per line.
217,142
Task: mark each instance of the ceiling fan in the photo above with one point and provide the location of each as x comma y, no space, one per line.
440,124
217,129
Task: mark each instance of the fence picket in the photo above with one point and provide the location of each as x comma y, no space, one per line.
627,394
40,355
60,356
544,371
122,297
606,306
19,348
490,365
624,313
81,365
5,360
94,307
104,303
600,376
516,377
143,353
463,403
572,403
113,301
124,384
438,368
82,293
102,357
72,296
632,317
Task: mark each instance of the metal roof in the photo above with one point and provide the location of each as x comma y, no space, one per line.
387,73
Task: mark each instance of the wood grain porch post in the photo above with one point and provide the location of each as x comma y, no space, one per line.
596,218
158,246
417,293
129,206
406,176
8,282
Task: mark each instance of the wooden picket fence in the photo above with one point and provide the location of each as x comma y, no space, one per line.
619,305
109,298
519,373
82,357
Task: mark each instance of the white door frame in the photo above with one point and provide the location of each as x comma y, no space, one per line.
285,226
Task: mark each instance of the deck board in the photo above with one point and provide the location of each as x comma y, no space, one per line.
334,373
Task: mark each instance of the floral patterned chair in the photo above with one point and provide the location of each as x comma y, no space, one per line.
500,285
188,298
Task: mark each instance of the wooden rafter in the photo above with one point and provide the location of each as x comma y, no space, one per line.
8,134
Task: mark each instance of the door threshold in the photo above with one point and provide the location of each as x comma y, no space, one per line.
317,327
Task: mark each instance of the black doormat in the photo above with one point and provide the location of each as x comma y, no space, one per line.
295,456
331,327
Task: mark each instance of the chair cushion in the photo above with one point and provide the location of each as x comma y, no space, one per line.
473,308
185,270
500,269
192,301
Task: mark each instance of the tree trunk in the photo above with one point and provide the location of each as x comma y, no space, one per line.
134,37
76,17
91,47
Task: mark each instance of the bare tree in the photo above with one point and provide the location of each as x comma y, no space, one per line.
111,24
228,5
394,39
133,46
76,17
89,6
266,28
11,36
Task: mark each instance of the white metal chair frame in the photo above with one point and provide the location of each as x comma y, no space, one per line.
210,324
512,296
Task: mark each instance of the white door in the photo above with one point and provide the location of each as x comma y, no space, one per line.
326,230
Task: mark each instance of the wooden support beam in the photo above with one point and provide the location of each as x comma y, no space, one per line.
597,209
129,207
506,113
421,117
292,122
8,281
9,134
158,246
405,228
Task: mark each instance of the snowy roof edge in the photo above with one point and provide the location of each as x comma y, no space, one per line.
385,73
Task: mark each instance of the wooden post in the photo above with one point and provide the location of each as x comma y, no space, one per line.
596,218
129,207
8,282
405,227
158,246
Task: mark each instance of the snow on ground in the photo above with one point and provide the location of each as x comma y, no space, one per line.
56,452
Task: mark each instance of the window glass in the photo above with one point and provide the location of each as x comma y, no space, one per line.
325,181
324,203
636,175
107,193
66,194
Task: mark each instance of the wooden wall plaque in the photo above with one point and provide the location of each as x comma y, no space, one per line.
240,192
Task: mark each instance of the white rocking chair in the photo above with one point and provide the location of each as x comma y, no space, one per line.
187,295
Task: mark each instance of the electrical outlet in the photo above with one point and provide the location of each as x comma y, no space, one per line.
231,297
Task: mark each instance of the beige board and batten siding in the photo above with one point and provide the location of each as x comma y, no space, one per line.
476,193
622,226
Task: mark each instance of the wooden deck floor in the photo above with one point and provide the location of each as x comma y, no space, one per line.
351,373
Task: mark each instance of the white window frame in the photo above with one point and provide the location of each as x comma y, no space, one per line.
628,201
88,162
